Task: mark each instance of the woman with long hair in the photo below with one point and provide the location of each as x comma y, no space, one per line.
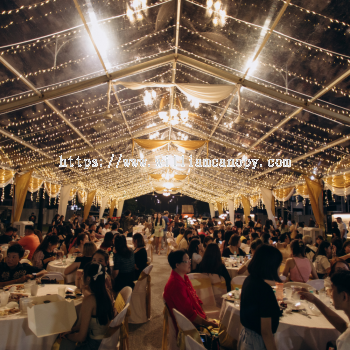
88,251
184,243
45,252
95,314
56,220
338,264
140,254
234,247
123,272
108,242
76,223
195,253
227,236
321,259
79,243
298,268
212,263
259,310
158,225
101,257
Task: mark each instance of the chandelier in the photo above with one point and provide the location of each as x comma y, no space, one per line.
166,193
172,116
167,175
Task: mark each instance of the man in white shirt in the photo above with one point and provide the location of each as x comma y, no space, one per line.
342,228
341,301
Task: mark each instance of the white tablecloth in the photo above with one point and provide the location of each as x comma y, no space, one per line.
295,331
14,331
233,271
53,267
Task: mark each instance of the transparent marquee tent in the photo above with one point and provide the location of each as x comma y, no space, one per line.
284,64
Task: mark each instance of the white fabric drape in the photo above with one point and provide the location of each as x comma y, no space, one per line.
64,198
285,198
336,191
212,209
203,93
231,210
120,208
103,206
267,199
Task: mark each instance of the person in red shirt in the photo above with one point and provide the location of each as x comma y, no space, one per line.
30,241
179,293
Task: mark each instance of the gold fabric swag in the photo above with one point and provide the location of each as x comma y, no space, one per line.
153,144
176,177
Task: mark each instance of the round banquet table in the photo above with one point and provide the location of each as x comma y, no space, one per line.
295,331
15,333
233,271
53,267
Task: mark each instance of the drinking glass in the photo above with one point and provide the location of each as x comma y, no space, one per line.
4,298
62,291
323,296
288,292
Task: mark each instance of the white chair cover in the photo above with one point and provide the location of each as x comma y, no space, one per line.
317,284
238,281
171,333
26,253
149,260
191,344
55,275
25,261
111,343
219,288
246,249
126,294
138,307
183,322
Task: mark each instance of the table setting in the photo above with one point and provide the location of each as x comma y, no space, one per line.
233,264
302,326
60,264
24,306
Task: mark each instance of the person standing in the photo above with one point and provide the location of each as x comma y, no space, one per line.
238,222
32,218
159,225
166,219
128,222
342,228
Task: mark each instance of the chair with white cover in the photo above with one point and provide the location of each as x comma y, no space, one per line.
317,284
218,284
237,282
26,254
201,283
299,284
169,332
149,260
191,344
126,294
140,303
58,276
26,261
111,342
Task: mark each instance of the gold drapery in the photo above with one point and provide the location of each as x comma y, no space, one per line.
111,209
315,191
283,194
72,193
302,190
35,184
338,181
219,205
6,177
87,206
153,144
246,207
176,177
21,189
52,190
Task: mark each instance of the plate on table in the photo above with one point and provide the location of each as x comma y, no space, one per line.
19,287
9,312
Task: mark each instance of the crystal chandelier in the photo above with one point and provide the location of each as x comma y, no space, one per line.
149,97
168,175
172,116
166,193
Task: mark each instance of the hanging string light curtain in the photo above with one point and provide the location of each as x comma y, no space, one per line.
52,190
6,177
338,184
219,205
203,93
246,207
111,209
302,190
316,192
87,206
153,144
81,196
35,184
72,193
21,189
283,194
254,200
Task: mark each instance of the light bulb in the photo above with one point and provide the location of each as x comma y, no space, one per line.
209,3
184,116
217,5
163,116
215,21
173,112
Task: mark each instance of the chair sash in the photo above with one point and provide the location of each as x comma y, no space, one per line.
193,333
165,328
148,292
225,339
124,326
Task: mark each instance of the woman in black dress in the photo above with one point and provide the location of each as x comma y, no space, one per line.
140,254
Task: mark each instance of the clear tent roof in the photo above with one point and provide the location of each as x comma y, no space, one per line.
290,58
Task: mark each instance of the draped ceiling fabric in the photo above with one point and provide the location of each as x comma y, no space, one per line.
203,93
153,144
111,209
176,177
302,190
316,199
21,189
81,196
6,177
52,190
254,200
72,193
219,205
87,206
268,199
64,199
35,184
246,207
338,184
283,194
